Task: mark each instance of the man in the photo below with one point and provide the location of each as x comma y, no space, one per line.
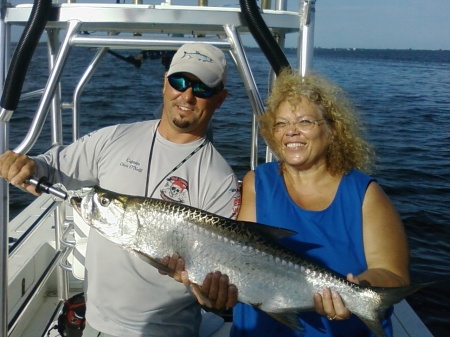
169,159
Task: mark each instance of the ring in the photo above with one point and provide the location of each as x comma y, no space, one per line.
332,318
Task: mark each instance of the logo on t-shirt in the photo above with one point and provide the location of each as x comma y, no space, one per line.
131,164
237,200
175,189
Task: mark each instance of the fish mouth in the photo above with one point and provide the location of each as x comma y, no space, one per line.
75,202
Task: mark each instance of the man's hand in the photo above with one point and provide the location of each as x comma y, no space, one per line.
176,264
16,168
220,293
330,304
216,292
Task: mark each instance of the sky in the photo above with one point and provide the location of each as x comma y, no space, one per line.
378,24
383,24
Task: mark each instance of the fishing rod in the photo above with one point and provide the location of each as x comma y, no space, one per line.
42,185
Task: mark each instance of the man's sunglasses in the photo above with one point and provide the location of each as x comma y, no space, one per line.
199,89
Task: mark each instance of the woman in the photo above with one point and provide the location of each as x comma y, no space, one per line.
319,188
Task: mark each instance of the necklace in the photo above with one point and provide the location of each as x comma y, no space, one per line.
171,171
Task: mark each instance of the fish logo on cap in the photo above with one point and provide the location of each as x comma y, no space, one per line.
200,57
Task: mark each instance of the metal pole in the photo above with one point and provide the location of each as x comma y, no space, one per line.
306,37
62,281
52,85
79,89
56,115
5,116
3,47
4,218
281,5
266,4
241,61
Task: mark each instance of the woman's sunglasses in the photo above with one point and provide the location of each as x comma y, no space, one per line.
199,89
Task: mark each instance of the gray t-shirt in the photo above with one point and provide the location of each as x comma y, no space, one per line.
126,296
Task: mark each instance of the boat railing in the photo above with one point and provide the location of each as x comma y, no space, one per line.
51,254
32,228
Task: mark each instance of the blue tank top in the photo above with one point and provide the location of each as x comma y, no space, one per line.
332,237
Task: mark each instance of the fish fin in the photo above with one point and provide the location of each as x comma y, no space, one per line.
155,263
289,318
274,233
375,327
389,297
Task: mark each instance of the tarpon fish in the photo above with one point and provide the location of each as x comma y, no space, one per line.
267,275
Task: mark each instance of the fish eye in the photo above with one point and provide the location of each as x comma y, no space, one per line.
104,201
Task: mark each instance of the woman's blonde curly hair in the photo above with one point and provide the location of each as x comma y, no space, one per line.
348,150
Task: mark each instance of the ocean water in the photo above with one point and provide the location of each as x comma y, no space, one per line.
402,96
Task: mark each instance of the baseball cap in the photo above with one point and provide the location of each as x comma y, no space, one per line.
203,60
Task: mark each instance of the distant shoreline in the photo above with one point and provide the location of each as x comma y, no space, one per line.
375,49
289,49
342,49
395,55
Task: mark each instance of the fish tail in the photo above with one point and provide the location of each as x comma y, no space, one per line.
389,297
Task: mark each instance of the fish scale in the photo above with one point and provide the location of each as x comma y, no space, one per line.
267,275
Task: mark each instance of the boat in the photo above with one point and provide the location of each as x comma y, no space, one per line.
42,248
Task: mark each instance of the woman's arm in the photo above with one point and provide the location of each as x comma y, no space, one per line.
385,248
248,206
385,242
